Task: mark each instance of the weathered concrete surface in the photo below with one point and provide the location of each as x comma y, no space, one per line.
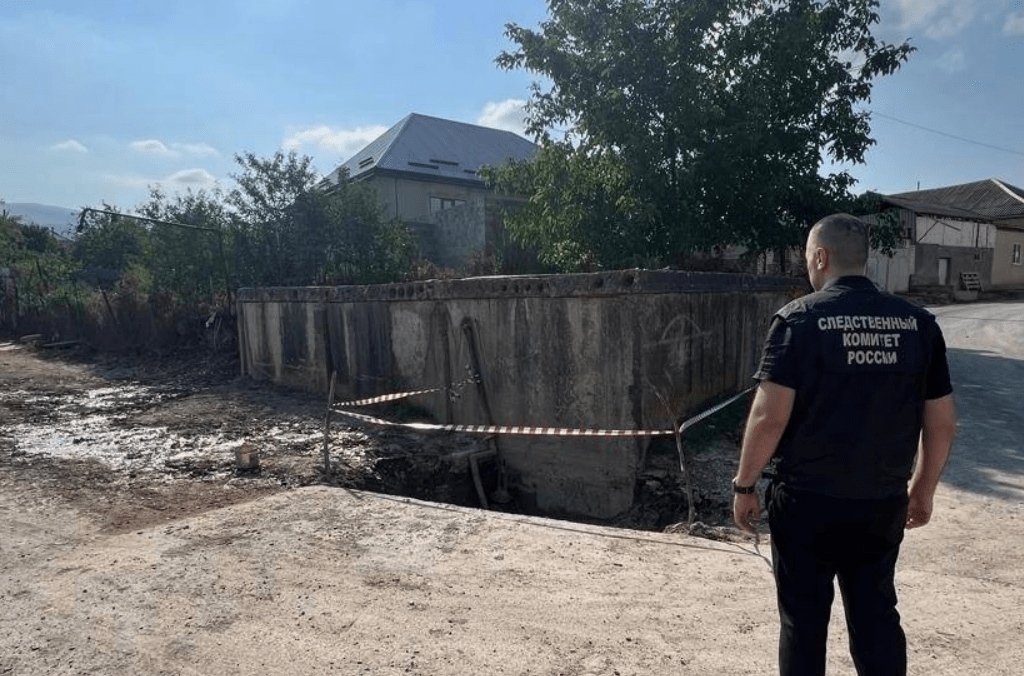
321,580
619,350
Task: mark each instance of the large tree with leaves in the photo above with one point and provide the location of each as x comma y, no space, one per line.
188,239
690,123
292,230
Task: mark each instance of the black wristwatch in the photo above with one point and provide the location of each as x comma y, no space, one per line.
743,490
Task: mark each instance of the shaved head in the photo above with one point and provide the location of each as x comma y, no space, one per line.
846,239
837,246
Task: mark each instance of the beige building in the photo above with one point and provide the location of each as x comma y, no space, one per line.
426,170
971,228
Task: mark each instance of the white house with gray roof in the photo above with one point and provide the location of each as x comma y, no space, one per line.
426,170
967,228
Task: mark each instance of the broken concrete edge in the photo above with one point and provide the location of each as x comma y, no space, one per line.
615,283
738,548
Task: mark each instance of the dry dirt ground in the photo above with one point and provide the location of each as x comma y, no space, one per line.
130,544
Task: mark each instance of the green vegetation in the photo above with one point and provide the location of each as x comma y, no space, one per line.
690,124
132,282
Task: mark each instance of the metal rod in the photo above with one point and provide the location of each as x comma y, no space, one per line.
327,426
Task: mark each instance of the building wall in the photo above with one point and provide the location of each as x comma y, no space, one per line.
459,234
960,259
620,350
950,232
892,273
1004,272
472,236
409,199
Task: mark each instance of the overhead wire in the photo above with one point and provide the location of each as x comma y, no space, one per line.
947,134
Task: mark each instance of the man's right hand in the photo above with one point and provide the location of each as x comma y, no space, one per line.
919,510
746,511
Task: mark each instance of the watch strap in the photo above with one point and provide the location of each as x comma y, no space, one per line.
743,490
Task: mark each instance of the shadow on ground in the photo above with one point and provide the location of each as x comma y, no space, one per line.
988,454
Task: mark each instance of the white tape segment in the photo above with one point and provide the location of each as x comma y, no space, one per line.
714,409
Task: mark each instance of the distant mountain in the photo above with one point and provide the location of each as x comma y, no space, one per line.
60,220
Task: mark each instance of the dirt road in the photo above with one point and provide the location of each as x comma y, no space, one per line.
208,573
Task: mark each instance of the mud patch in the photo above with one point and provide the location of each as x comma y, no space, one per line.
144,443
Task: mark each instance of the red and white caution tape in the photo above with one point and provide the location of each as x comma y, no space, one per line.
514,430
518,430
385,398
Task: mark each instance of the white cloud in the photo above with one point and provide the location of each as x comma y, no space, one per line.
938,18
1014,24
953,61
509,115
156,147
151,146
345,142
200,149
186,178
71,145
191,177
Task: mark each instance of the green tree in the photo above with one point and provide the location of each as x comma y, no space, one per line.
189,259
886,231
715,114
583,212
290,230
109,246
11,239
267,236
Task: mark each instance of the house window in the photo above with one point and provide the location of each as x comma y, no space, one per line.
441,203
1016,254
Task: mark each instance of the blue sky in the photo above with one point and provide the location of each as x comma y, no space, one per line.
100,99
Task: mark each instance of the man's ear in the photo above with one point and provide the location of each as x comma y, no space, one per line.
821,258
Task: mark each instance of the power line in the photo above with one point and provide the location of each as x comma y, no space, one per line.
947,134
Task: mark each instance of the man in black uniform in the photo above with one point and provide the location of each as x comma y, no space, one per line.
854,386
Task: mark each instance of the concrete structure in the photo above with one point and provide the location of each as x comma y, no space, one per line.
892,273
424,167
618,350
472,237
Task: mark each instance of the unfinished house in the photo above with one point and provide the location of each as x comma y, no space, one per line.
426,172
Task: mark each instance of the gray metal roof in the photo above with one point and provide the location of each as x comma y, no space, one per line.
991,200
437,148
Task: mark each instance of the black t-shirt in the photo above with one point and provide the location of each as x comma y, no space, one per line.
862,363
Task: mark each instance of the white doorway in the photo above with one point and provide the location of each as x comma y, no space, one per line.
944,271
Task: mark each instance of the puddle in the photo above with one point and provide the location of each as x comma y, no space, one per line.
118,426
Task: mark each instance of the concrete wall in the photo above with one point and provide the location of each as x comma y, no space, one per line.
1006,273
472,237
892,273
961,259
458,234
627,349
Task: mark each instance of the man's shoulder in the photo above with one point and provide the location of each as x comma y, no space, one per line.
906,307
843,299
806,306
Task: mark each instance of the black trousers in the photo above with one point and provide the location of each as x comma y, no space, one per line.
816,539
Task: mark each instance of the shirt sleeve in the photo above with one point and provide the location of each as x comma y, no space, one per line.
779,359
938,383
